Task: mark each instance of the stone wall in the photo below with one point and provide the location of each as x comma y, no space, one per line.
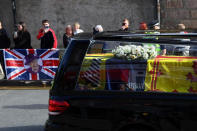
174,12
6,15
108,13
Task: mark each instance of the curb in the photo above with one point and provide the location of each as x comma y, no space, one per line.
24,88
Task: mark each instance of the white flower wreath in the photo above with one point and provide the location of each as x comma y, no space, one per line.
135,52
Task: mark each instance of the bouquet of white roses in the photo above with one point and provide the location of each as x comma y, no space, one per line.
135,52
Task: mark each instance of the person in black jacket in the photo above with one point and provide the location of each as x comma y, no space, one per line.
4,44
67,35
4,39
47,36
22,37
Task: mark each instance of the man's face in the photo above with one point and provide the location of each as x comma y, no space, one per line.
34,65
156,27
76,26
69,31
125,23
45,25
181,26
0,26
20,28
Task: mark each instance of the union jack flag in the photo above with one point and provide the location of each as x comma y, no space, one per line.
31,64
93,72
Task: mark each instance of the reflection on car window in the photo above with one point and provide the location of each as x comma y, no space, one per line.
135,66
71,69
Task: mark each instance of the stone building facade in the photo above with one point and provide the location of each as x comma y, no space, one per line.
108,13
174,12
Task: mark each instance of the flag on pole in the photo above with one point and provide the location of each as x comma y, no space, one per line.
31,64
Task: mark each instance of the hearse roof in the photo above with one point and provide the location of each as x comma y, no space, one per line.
171,38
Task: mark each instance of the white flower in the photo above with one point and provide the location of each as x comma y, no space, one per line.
145,56
133,57
127,49
135,52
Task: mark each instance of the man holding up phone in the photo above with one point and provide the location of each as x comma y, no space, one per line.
47,36
125,25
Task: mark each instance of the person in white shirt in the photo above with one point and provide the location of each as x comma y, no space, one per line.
182,28
77,29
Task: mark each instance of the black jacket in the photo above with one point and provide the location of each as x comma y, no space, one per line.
4,39
66,40
23,41
48,39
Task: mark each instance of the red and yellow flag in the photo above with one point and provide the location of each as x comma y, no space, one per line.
171,74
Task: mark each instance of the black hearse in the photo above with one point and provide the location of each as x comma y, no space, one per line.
100,85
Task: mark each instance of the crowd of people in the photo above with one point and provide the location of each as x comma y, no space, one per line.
22,37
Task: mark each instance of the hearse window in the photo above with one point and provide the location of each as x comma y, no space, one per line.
135,66
72,64
96,48
102,47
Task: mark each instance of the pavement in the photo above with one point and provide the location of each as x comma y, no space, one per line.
23,110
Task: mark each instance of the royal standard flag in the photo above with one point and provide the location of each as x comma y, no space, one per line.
171,74
30,64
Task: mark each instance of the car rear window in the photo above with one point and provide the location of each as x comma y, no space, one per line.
138,66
